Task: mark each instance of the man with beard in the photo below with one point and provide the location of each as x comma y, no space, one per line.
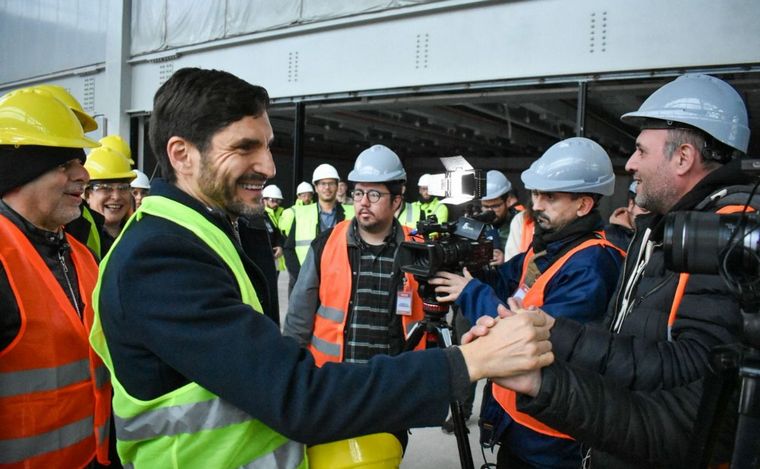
54,390
570,271
631,389
429,204
356,260
300,224
202,377
499,199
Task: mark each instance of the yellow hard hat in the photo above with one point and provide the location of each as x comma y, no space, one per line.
36,117
106,163
88,123
115,142
376,451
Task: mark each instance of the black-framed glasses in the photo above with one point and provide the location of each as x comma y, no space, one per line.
372,195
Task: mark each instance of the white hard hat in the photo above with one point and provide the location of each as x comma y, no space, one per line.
272,192
700,101
497,185
424,180
324,171
304,187
141,181
576,165
377,163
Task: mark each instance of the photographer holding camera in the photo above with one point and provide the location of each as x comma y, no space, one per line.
570,271
660,327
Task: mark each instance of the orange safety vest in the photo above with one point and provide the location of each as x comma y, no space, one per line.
335,293
535,297
527,232
55,392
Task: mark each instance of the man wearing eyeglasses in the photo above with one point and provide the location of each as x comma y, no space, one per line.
351,302
500,199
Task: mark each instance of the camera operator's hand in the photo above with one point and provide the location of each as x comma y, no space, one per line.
513,345
448,285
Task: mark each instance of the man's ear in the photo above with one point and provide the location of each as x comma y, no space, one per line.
684,158
179,152
397,201
586,204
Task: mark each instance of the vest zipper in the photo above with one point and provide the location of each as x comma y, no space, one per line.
68,283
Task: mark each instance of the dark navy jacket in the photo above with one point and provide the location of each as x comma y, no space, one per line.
172,313
580,290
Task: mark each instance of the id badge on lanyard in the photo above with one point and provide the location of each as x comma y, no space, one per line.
404,299
521,291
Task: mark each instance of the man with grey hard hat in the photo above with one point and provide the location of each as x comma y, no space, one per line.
570,271
631,390
351,302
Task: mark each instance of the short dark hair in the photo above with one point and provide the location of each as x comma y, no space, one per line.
595,197
195,104
710,150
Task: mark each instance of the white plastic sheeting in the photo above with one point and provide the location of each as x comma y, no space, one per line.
45,36
166,24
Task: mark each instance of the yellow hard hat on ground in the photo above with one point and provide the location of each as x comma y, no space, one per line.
32,116
88,123
106,163
115,142
376,451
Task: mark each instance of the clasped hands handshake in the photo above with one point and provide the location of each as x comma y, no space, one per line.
525,336
511,348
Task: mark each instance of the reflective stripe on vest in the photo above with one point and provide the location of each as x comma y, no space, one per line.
683,279
410,215
53,400
535,297
190,426
19,450
307,227
334,295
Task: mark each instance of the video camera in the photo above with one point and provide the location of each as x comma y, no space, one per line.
723,243
727,244
453,245
446,246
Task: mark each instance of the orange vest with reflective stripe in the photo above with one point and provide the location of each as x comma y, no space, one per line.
535,297
55,394
334,296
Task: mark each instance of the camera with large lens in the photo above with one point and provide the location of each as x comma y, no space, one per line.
446,246
709,243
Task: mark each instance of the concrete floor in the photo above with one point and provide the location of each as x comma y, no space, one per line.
429,448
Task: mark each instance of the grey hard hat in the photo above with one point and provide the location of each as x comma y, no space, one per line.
575,165
700,101
497,185
377,163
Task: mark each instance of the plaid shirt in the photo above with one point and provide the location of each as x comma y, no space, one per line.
372,321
